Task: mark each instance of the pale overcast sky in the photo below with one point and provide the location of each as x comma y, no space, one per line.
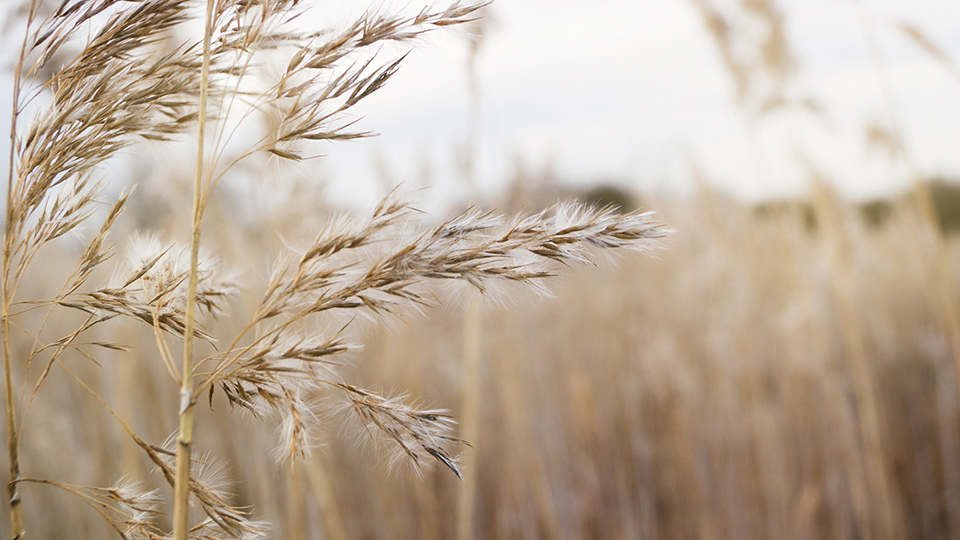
633,90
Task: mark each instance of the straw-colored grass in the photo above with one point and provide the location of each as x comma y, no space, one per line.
710,392
96,76
785,373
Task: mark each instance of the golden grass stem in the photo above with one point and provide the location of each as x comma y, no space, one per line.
296,505
519,423
16,515
181,510
320,485
17,529
470,418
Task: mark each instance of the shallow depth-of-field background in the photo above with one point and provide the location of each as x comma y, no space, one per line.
785,370
769,375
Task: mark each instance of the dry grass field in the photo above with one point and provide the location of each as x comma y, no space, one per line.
785,372
759,380
724,389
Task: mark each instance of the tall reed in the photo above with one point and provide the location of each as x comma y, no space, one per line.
181,517
130,81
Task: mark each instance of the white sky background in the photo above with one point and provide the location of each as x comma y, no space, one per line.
633,91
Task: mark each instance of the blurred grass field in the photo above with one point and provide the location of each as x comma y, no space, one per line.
761,378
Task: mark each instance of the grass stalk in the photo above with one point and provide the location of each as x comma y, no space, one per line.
296,505
181,507
13,445
13,489
333,526
16,515
6,296
470,418
520,424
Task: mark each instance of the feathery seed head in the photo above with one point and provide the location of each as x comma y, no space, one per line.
417,433
161,271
